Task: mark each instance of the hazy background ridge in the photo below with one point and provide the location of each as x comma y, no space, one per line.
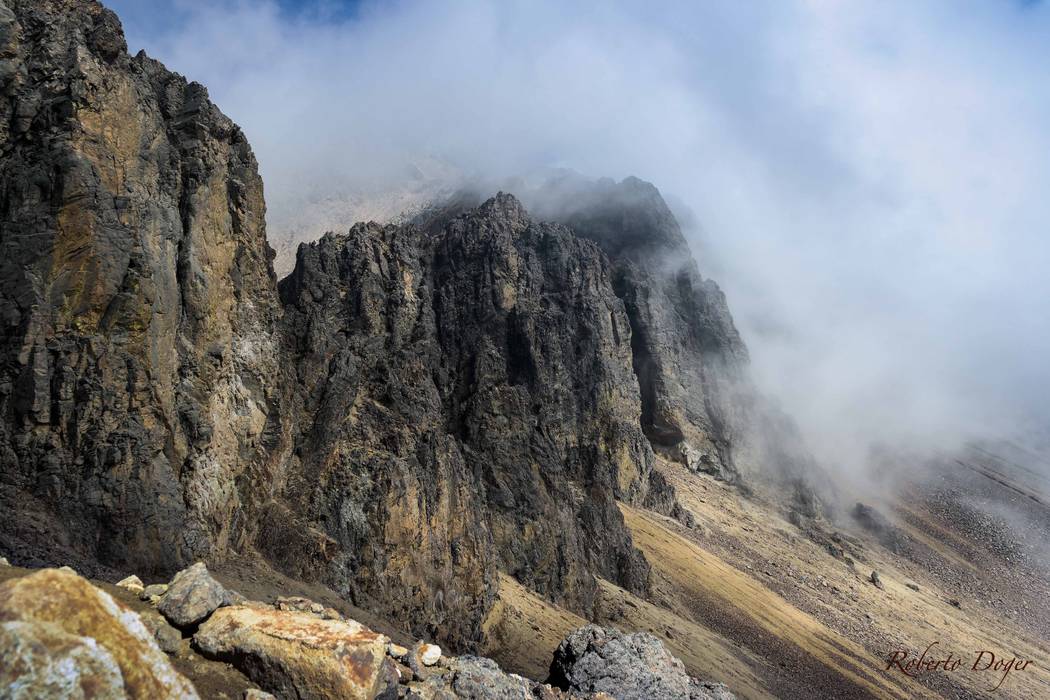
867,181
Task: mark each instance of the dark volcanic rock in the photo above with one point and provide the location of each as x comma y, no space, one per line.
475,678
466,398
699,404
136,299
625,666
686,351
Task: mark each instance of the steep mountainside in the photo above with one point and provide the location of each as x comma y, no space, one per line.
687,353
465,396
420,407
137,300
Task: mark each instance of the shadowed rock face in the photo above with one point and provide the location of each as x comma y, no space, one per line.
465,397
136,298
687,353
419,406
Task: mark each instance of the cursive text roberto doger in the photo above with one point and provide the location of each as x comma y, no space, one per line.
913,665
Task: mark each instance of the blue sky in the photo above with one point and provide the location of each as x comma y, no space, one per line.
868,178
145,20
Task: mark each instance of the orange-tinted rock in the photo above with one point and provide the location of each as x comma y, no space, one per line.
73,605
43,662
297,654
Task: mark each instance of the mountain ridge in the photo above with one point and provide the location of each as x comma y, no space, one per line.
413,409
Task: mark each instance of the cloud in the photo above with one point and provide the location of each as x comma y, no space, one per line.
870,179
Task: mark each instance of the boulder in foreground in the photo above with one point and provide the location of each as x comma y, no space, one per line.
68,603
192,595
41,661
296,654
634,666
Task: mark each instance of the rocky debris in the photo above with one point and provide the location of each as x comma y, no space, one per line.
68,643
912,586
73,606
891,536
954,603
256,694
634,666
876,580
167,637
131,583
299,604
421,658
475,678
191,596
4,562
404,673
41,661
153,592
694,459
298,654
428,654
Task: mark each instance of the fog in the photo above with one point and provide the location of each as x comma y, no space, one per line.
869,182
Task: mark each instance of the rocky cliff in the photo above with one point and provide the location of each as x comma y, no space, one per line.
686,352
136,298
465,400
414,409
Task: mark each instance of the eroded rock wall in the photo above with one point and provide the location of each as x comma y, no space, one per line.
464,401
137,301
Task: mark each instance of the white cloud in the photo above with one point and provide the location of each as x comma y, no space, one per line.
871,177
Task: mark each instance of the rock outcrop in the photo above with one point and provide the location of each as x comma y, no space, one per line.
137,300
699,404
464,400
686,351
191,596
300,655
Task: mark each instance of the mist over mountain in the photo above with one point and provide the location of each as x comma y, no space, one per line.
458,405
866,182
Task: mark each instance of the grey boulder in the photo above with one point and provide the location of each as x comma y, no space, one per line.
192,596
634,666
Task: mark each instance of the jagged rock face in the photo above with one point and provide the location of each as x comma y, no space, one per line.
687,353
465,400
136,298
699,403
423,406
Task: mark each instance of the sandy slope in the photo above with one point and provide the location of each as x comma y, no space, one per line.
746,599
